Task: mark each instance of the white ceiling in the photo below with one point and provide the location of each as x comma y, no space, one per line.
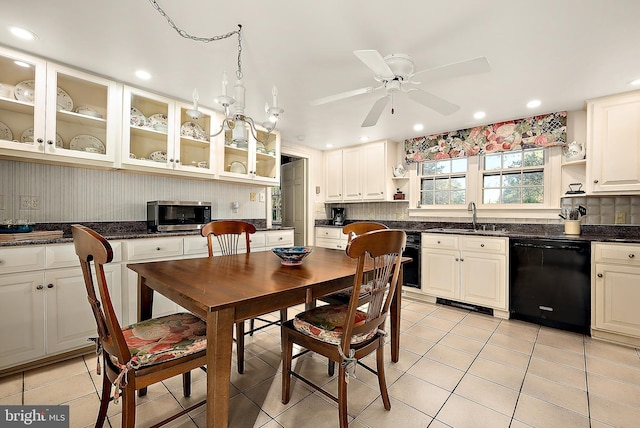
559,51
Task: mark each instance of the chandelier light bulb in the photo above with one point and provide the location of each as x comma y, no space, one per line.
274,92
196,97
225,81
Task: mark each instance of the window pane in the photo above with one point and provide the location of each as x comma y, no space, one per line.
491,196
491,181
459,165
493,161
458,197
442,183
534,157
533,179
511,180
511,195
427,184
428,168
512,160
427,198
458,183
443,167
442,197
533,195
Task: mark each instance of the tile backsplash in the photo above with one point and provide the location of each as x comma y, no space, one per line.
607,209
66,194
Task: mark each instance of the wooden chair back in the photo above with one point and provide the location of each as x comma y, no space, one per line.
91,246
358,228
380,251
228,233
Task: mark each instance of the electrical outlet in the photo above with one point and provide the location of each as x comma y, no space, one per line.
2,198
621,217
29,202
261,197
252,197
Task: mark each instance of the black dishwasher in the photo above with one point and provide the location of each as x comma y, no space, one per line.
549,282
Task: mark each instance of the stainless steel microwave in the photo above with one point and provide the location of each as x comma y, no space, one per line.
167,216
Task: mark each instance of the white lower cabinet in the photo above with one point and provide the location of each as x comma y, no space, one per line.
615,292
43,302
331,237
466,269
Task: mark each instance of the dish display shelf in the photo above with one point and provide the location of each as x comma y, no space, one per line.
48,111
256,160
159,134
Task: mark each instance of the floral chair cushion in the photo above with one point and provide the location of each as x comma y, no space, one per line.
165,338
345,295
325,323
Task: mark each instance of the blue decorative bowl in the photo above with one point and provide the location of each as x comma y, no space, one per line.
292,256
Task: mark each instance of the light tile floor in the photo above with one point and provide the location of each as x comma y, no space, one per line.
456,369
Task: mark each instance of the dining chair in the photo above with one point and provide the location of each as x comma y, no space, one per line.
345,333
141,354
228,234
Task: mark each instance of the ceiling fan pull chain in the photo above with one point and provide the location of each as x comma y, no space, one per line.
393,110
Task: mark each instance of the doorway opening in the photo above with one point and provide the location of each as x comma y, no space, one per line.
289,200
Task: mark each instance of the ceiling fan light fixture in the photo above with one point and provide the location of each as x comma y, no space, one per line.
534,103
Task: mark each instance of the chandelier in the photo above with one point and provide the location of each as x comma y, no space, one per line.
235,119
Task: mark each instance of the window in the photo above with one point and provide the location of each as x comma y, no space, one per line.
443,182
513,177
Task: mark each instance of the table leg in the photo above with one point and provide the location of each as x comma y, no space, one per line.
395,319
145,300
219,348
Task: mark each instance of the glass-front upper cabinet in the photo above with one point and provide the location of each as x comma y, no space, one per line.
158,133
254,160
53,113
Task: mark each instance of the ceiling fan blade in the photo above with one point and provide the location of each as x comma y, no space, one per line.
375,62
433,102
342,95
458,69
376,111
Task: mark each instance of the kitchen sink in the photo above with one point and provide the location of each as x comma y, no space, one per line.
468,231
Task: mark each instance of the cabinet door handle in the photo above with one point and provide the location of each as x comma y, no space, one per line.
50,142
595,181
40,140
39,287
631,255
157,248
49,285
177,160
599,275
280,238
457,259
438,242
461,259
482,245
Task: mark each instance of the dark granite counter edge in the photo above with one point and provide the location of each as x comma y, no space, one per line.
118,230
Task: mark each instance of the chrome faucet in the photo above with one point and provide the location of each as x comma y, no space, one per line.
474,213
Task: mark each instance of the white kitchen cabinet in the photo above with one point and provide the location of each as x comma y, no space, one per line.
613,144
467,269
277,238
38,105
361,173
44,302
615,290
256,161
331,237
158,135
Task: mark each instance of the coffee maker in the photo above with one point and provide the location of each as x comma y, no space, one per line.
338,216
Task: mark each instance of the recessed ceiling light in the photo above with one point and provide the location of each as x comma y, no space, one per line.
364,138
534,103
23,33
479,115
328,146
418,127
144,75
635,82
22,64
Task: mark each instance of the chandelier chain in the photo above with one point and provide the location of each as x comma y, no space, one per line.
184,34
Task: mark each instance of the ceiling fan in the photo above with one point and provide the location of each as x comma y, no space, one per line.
395,74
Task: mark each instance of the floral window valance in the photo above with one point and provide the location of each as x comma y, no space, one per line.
538,131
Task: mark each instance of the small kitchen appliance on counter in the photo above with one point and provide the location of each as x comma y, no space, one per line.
171,216
338,216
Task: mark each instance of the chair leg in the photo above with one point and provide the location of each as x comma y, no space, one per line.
142,392
129,406
283,315
331,367
105,398
342,398
240,346
186,383
287,355
382,381
252,325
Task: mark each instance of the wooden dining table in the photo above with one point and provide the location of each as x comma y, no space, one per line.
223,290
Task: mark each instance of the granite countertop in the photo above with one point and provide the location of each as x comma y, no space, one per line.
117,230
600,233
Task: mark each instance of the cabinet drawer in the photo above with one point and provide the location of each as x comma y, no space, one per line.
336,244
196,245
257,241
154,248
436,240
21,259
483,244
617,253
279,239
64,255
329,232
